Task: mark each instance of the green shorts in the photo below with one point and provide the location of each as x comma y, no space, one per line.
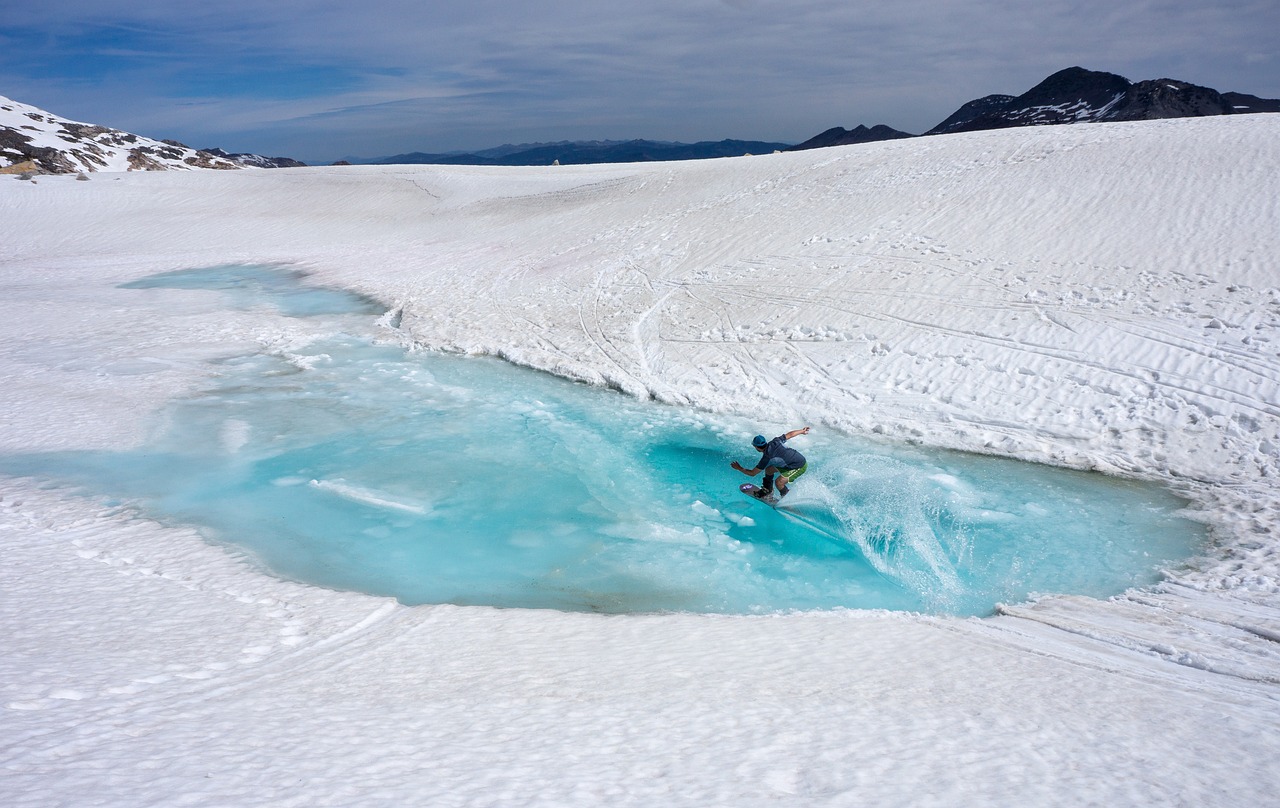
792,474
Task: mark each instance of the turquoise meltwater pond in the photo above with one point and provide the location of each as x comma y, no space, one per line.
443,479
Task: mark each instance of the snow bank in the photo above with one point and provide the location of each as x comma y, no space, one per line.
1100,296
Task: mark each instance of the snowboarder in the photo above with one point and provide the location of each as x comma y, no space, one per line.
776,458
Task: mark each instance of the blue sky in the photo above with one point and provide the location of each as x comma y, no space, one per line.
323,79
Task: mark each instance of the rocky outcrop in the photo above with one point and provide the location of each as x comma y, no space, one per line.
53,145
1076,95
256,160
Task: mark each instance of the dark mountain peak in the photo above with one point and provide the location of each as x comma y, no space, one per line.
1068,96
1072,95
1075,82
1077,95
839,136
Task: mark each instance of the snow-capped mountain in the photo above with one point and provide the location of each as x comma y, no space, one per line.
1076,95
34,140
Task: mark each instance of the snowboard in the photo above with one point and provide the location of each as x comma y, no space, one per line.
750,490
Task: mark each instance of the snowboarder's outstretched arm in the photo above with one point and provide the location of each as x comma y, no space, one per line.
749,472
801,431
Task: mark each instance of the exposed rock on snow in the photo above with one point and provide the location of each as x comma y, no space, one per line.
1076,95
54,145
257,160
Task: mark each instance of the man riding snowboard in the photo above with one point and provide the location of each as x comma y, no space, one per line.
776,458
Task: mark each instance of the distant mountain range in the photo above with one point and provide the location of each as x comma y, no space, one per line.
584,152
35,141
1074,95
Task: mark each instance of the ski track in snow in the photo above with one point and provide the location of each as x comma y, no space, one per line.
1062,295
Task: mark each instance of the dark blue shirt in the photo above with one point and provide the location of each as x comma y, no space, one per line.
779,455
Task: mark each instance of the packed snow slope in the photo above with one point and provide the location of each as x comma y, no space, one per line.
1099,296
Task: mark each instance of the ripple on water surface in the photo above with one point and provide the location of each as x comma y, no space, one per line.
441,479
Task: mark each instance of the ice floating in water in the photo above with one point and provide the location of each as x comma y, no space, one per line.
439,479
376,499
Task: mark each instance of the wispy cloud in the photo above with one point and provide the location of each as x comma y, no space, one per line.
322,78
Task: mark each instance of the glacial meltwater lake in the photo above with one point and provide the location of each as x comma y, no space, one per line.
444,479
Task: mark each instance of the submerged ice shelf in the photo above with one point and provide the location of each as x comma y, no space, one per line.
441,479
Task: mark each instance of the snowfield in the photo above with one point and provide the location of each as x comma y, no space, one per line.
1100,296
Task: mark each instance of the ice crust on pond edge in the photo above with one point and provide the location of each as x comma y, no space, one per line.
1053,294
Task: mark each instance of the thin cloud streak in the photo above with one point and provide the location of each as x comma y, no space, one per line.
325,79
